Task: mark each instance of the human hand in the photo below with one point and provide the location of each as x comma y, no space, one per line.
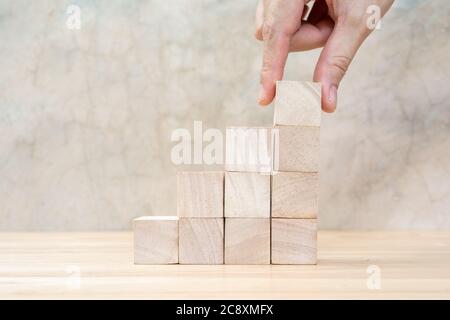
340,26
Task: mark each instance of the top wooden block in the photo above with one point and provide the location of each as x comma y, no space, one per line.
200,194
298,103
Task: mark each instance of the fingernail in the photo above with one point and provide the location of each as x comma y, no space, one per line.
332,95
262,95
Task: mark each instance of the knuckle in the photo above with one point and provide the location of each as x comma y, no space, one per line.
267,30
266,71
258,33
267,64
339,63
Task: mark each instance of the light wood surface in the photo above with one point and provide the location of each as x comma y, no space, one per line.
247,241
294,241
295,195
155,240
200,194
297,103
297,148
247,195
201,240
47,265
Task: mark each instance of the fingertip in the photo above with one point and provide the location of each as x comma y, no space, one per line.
328,109
265,96
329,99
264,103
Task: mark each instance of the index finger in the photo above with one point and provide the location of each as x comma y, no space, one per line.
282,19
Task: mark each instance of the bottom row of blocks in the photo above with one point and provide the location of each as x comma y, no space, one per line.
166,240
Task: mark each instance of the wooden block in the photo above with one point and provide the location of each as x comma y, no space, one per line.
247,195
295,195
200,194
201,240
298,103
155,240
296,148
294,241
247,241
248,149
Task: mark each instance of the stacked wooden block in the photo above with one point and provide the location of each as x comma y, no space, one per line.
295,179
262,209
247,195
200,210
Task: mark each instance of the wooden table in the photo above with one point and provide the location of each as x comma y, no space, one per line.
99,265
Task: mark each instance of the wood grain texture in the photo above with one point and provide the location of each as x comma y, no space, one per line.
201,240
247,195
295,195
294,241
297,103
247,241
155,240
39,265
297,149
248,149
200,194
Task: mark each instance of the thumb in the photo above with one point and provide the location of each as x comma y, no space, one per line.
334,61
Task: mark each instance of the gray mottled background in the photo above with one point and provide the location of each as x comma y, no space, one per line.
86,115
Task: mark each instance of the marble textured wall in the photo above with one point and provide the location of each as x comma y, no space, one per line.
86,115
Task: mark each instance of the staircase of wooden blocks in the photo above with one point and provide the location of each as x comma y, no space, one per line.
262,210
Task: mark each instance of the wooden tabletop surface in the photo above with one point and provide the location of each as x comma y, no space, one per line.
357,265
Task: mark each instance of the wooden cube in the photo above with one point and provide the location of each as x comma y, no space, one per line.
200,194
294,241
248,149
155,240
295,195
247,241
247,195
296,148
201,240
298,103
